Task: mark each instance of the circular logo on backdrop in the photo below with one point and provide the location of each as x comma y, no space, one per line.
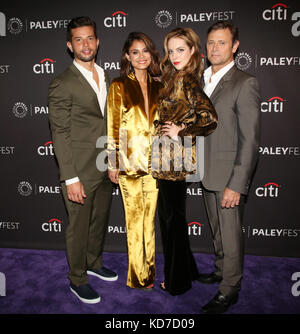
15,25
163,18
24,188
243,61
20,109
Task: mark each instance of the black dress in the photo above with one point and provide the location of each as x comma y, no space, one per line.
187,105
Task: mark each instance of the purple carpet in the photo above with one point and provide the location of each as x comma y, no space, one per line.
36,283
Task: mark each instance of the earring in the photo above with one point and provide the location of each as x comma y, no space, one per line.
131,67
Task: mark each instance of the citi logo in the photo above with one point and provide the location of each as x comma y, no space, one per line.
270,189
46,149
46,65
52,225
118,19
194,228
274,104
278,12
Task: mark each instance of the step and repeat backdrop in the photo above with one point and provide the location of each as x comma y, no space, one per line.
33,51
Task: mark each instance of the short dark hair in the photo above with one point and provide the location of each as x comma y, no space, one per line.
80,21
224,25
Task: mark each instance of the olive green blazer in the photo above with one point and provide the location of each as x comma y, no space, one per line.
76,123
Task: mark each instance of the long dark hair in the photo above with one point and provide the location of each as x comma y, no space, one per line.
126,68
195,64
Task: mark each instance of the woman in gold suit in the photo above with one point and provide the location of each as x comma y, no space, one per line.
131,111
184,113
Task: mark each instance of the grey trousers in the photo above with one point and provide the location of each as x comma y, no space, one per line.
228,240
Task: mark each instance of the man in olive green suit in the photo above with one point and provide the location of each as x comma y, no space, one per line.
77,114
230,157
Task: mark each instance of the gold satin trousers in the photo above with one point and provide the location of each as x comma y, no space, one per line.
139,198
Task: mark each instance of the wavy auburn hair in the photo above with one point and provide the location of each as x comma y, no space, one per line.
126,67
195,65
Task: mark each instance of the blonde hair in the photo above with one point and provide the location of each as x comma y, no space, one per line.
195,64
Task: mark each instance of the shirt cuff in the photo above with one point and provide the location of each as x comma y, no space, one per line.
71,181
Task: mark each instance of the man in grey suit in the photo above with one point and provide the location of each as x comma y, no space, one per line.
230,157
77,115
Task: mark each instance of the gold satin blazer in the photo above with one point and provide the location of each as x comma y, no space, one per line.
187,105
128,127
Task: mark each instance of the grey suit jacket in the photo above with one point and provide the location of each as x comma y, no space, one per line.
76,123
231,151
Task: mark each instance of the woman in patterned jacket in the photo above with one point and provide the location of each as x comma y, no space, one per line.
184,112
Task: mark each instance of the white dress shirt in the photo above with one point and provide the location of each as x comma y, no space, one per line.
101,93
211,80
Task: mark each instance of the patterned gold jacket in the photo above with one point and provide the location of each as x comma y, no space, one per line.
128,127
188,105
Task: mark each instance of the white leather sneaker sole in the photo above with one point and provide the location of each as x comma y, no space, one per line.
102,277
84,300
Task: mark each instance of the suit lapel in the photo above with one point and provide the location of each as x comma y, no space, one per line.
218,89
87,86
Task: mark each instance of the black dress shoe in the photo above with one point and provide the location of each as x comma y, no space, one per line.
209,278
220,304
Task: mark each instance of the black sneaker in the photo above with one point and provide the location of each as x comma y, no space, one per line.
104,273
85,293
